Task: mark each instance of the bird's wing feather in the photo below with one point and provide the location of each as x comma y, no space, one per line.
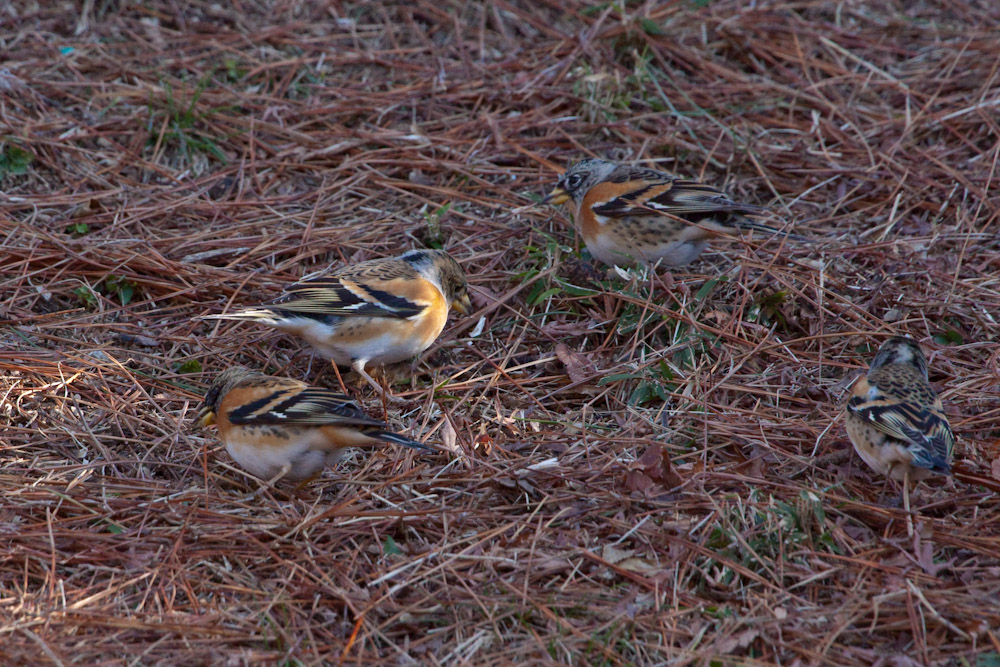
927,431
665,195
397,297
296,405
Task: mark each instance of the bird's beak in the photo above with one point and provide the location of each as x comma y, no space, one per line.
205,417
463,304
556,197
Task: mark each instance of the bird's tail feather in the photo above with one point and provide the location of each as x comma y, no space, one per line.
931,461
746,223
389,436
248,314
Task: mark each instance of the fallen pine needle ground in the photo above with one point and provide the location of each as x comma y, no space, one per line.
644,467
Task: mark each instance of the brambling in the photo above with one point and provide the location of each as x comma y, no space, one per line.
632,214
895,419
279,427
380,311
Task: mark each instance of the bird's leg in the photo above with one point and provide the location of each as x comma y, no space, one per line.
906,502
888,479
359,368
308,480
340,380
285,469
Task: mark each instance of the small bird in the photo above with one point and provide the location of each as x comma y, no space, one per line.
895,419
380,311
282,428
633,214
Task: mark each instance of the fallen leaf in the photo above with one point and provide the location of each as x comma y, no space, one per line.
637,480
651,456
484,442
622,273
549,565
541,465
89,207
480,325
923,549
657,466
138,339
565,329
638,565
614,555
578,366
995,467
733,642
449,438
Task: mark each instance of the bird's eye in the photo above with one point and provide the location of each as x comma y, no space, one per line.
573,181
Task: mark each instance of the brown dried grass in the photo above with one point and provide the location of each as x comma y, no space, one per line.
215,154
